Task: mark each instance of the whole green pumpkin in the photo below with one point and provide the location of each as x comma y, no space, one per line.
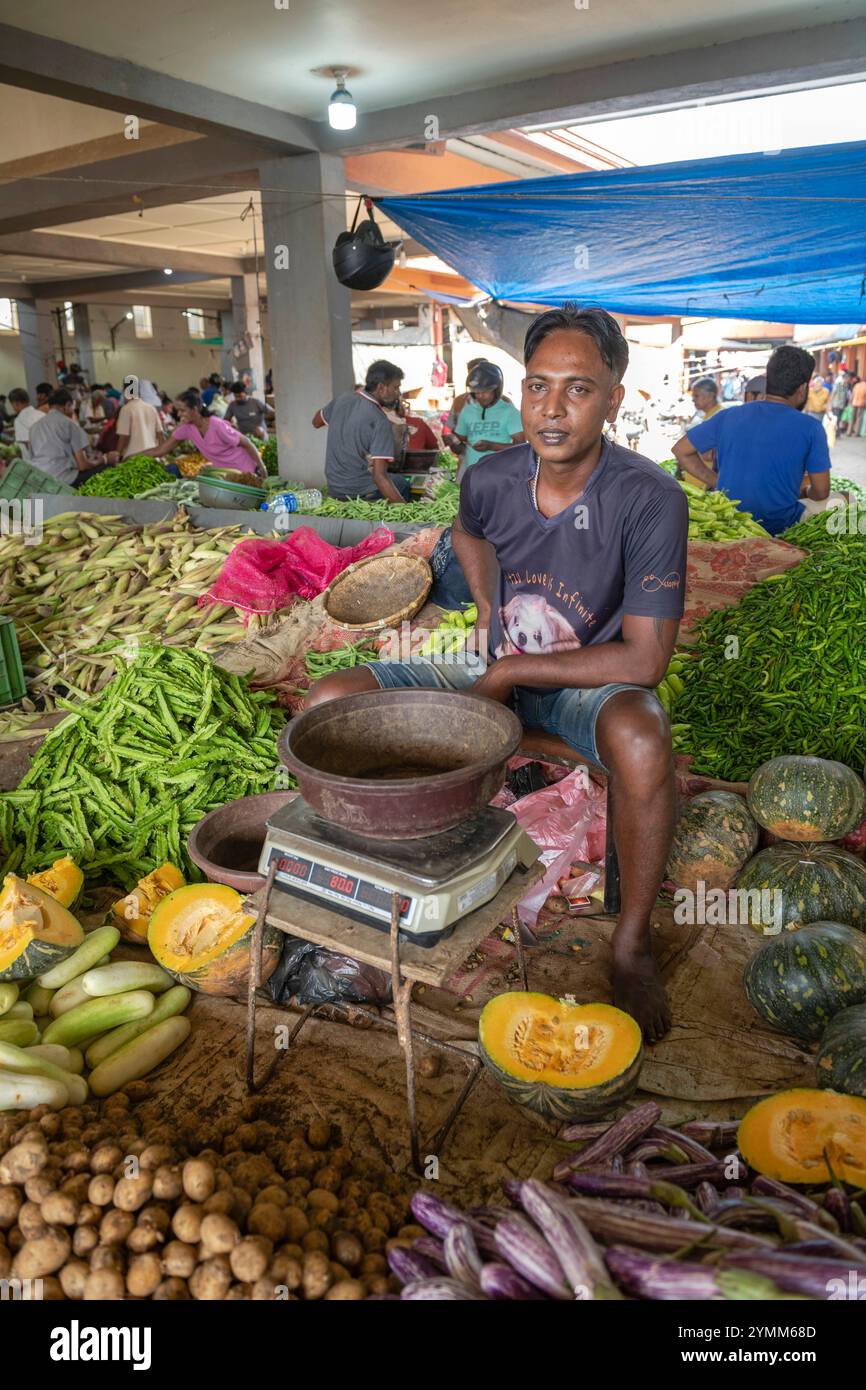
800,980
841,1061
714,837
801,798
816,883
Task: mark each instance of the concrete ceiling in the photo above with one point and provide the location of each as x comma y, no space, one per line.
402,52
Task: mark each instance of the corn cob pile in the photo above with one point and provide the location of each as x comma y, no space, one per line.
96,584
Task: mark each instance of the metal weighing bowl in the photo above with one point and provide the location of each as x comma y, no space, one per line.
399,764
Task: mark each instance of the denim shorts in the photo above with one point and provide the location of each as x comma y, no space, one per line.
570,714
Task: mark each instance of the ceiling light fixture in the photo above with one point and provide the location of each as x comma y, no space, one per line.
342,111
168,271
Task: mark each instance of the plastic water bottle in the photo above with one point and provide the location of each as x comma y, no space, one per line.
304,500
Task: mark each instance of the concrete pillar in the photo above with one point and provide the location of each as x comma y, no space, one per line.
83,354
247,331
37,343
309,311
227,329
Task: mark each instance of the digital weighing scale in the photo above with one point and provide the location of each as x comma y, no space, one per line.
440,878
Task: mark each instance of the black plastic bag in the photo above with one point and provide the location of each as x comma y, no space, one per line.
312,974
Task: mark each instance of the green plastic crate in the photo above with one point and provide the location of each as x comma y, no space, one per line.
21,479
13,687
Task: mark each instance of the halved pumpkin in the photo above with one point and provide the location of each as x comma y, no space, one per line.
63,881
36,931
132,914
792,1135
201,935
566,1061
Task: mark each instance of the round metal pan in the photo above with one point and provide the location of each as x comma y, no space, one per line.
400,764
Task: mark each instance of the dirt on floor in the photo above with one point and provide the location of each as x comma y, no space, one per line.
717,1058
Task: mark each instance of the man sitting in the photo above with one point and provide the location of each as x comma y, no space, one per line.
575,552
770,453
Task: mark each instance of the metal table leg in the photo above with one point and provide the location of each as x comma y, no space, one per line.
517,933
254,978
401,991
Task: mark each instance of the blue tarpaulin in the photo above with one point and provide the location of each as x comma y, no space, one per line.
780,237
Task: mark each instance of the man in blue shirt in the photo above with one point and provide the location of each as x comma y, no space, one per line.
769,453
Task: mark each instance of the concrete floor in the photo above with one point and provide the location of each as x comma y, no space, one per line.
848,457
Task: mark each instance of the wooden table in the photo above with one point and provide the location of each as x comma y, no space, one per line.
406,963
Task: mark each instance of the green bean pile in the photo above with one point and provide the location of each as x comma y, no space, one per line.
794,680
343,658
126,479
122,781
437,511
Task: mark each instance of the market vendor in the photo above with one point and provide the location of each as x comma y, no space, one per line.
772,456
221,444
575,552
361,439
59,446
705,399
487,424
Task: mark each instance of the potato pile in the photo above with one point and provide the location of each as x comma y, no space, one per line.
97,1206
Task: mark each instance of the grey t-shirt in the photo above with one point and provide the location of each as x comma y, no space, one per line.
247,415
566,580
357,427
53,442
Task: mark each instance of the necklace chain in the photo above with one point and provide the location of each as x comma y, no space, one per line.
534,484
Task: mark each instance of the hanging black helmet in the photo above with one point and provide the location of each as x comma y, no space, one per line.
363,258
485,376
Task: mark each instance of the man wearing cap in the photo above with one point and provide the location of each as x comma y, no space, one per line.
487,423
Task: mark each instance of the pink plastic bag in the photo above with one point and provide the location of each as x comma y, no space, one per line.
567,822
261,576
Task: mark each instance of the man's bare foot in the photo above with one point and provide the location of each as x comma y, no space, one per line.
638,990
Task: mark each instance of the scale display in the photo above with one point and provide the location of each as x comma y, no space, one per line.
438,879
323,881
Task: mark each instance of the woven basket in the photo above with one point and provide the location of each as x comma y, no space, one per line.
381,591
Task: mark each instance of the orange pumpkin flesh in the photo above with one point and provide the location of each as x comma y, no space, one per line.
792,1135
201,935
565,1060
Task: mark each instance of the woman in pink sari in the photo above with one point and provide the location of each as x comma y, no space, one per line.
219,441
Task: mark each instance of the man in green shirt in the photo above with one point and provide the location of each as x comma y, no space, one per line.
487,423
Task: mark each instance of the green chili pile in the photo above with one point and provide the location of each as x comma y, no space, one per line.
122,781
127,479
834,529
783,671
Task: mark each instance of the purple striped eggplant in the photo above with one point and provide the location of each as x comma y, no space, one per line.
816,1278
574,1247
616,1223
431,1249
433,1214
521,1246
500,1281
582,1134
461,1255
771,1187
650,1150
616,1139
647,1276
652,1192
408,1265
439,1290
837,1208
693,1150
706,1196
716,1134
